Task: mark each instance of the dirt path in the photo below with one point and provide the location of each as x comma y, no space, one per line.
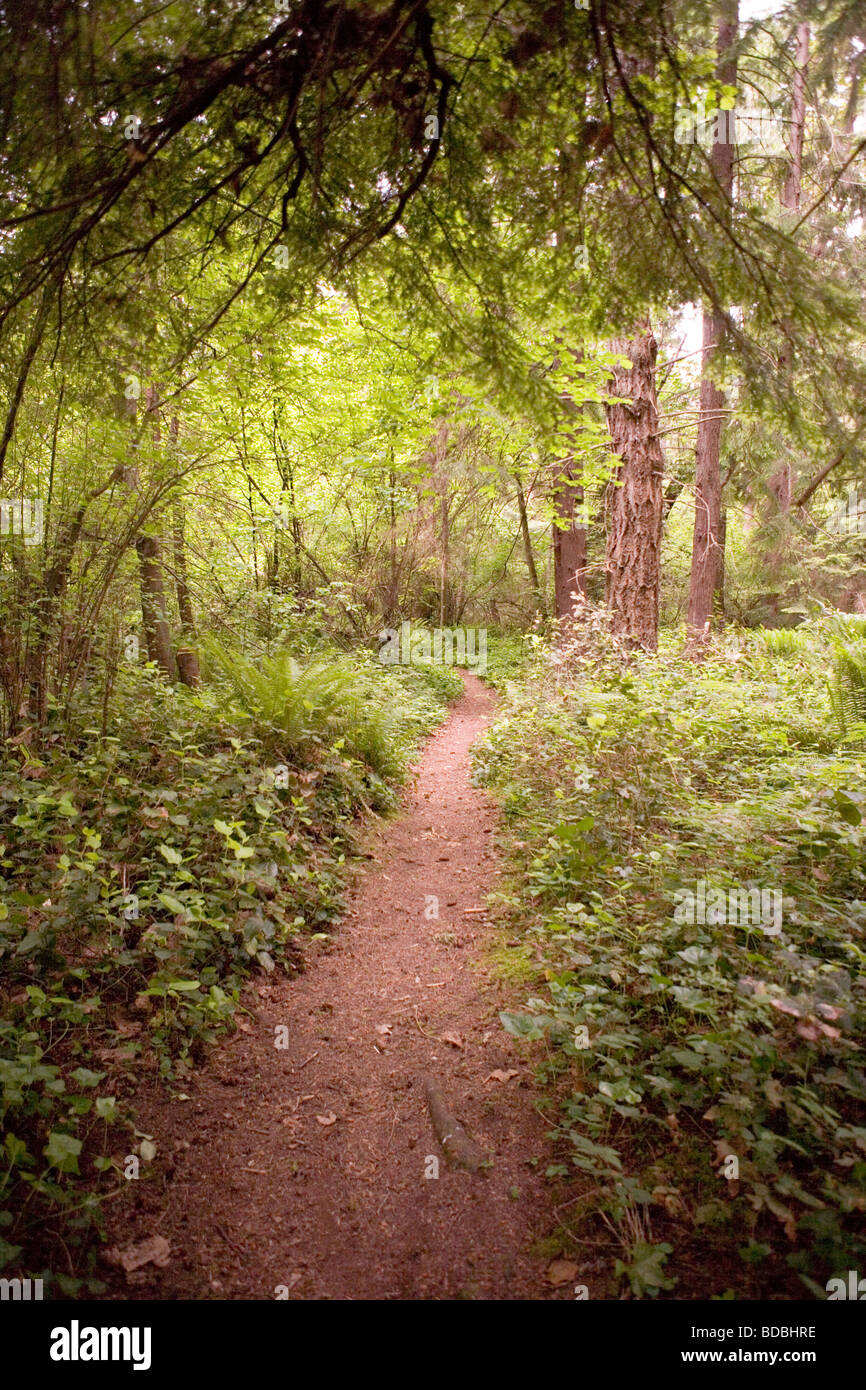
304,1167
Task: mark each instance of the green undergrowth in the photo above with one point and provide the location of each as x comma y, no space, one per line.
146,870
509,654
707,1078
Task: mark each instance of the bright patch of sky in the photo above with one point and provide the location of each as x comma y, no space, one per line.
760,9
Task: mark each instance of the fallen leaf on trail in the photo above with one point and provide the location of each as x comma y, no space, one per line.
155,1250
453,1038
786,1007
561,1272
499,1075
329,1119
812,1031
384,1029
129,1030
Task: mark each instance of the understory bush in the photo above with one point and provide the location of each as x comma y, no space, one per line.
707,1064
143,875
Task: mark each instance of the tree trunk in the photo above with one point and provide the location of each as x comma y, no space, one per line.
708,488
187,660
393,592
719,596
791,191
443,579
156,630
633,499
184,599
780,483
157,634
441,474
43,611
527,544
569,546
708,484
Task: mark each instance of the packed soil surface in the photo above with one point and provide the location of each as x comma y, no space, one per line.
303,1162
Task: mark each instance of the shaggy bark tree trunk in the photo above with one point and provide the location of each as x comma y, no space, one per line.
633,499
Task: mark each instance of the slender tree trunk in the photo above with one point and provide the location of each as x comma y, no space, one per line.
43,612
791,191
157,634
719,596
393,593
184,599
187,660
790,200
569,546
706,552
443,582
780,484
527,544
156,630
633,499
440,456
708,488
296,529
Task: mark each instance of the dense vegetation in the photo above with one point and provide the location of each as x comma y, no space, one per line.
676,1045
328,317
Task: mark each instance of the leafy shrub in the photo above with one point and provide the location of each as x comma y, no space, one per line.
508,655
684,1043
143,875
848,686
785,642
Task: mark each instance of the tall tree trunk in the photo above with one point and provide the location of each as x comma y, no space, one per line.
443,579
708,487
780,484
156,630
706,551
43,609
633,499
184,598
186,658
527,544
157,634
393,592
569,546
440,456
791,190
719,596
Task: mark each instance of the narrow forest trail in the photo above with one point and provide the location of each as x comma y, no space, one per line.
305,1167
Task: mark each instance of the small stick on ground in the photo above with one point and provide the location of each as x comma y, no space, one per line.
459,1148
